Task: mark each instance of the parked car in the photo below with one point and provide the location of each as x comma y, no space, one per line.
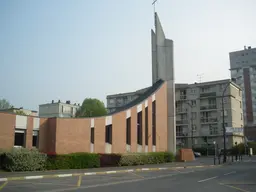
197,154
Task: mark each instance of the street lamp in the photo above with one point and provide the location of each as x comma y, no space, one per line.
223,123
214,143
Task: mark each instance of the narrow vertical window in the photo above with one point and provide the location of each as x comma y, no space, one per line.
128,131
146,126
35,138
154,123
20,138
108,134
92,135
139,128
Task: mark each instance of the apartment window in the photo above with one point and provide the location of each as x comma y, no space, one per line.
193,91
108,134
35,138
179,131
193,103
128,131
146,126
205,89
225,124
240,104
139,128
19,139
241,116
213,130
111,101
212,101
154,123
92,135
183,116
194,127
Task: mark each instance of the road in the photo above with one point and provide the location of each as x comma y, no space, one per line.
228,178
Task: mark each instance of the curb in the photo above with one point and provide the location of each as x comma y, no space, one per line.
33,177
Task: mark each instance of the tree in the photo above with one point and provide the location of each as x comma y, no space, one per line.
91,108
4,104
20,112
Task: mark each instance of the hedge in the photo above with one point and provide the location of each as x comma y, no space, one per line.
146,158
22,159
73,161
110,160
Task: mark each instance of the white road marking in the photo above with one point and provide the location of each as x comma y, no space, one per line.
207,179
230,173
34,177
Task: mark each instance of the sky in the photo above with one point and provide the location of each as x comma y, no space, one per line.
74,49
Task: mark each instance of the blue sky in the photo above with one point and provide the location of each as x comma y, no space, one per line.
73,49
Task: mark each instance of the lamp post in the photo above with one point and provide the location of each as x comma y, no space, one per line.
214,143
191,119
223,123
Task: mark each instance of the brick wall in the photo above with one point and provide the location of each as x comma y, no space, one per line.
70,135
7,130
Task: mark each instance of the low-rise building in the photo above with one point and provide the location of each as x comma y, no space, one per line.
116,101
58,109
21,111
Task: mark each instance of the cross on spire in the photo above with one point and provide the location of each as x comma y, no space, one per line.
154,5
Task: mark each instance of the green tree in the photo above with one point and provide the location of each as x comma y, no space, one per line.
4,104
20,113
91,108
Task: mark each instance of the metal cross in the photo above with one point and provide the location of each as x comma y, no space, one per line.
154,4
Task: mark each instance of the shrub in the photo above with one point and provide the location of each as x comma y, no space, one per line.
21,159
110,160
146,158
73,161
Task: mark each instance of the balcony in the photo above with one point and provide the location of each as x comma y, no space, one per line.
183,97
181,122
209,120
181,134
181,110
208,107
203,95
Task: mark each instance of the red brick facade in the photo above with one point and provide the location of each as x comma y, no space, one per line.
69,135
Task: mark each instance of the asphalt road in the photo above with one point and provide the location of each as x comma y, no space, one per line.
229,178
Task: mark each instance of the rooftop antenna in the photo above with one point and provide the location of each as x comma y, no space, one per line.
200,76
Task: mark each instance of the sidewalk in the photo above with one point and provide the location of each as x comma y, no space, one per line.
106,170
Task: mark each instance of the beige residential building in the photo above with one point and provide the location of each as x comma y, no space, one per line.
199,106
58,109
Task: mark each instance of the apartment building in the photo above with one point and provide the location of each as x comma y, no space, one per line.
199,113
117,101
243,69
21,111
58,109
